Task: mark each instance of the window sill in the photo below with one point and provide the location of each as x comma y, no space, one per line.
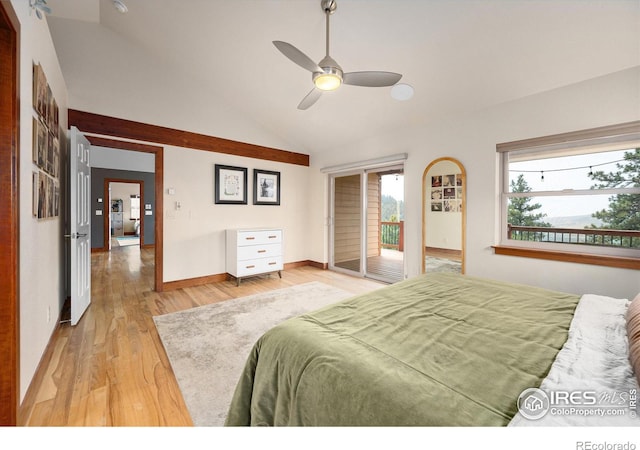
581,258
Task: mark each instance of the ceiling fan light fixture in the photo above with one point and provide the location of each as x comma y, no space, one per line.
327,81
330,78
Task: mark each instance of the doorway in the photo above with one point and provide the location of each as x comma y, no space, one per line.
124,224
367,223
156,187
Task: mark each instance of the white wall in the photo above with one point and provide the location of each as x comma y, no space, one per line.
472,140
318,247
111,158
194,235
41,274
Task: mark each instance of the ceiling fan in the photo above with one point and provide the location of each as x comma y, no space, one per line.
327,75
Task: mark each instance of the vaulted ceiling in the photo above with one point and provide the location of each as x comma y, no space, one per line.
459,56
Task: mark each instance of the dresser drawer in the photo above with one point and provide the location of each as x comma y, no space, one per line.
257,266
259,251
259,237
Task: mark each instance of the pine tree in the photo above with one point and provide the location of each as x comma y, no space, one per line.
624,209
521,211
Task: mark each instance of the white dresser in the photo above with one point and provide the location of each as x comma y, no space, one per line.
253,252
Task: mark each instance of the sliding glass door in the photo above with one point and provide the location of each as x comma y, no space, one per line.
347,223
367,223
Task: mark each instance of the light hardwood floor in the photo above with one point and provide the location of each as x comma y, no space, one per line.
111,369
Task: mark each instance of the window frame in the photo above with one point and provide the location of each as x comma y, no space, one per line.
609,137
131,208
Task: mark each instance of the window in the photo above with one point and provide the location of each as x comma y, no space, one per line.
573,194
135,207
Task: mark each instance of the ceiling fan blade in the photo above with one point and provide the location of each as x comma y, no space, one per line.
371,79
310,98
44,8
297,56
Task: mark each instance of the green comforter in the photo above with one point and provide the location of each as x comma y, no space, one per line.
439,349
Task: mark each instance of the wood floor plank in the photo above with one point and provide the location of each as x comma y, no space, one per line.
111,369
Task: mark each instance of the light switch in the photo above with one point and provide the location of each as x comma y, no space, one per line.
148,213
99,200
171,191
98,212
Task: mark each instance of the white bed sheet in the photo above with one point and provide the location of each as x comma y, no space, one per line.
594,359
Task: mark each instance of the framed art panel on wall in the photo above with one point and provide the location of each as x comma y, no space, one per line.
230,185
266,187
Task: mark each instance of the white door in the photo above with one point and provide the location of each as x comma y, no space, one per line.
80,181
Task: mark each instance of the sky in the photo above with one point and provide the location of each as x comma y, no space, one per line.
393,187
567,173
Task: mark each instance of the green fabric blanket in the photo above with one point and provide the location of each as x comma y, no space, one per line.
439,349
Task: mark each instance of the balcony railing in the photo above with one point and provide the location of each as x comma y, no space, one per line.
584,236
392,235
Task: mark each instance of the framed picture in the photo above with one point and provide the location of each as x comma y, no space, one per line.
449,180
39,90
55,124
266,187
449,193
42,195
35,182
230,185
49,159
43,146
36,129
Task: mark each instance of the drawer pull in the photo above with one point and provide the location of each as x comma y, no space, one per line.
273,237
272,264
250,267
250,238
262,251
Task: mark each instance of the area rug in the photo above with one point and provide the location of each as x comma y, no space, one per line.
433,264
123,241
209,345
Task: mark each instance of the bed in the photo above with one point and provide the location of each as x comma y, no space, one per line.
436,350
